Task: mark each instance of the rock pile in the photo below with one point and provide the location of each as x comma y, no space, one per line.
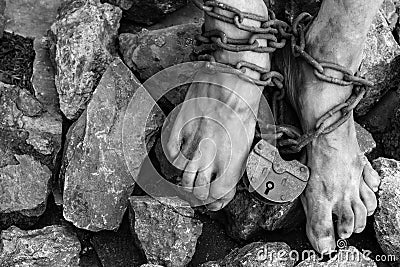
88,93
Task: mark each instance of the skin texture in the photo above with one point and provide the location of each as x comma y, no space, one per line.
342,182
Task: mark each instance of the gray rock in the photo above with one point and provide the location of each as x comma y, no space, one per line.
149,52
51,246
380,63
31,18
349,257
85,35
2,17
97,180
388,9
365,139
391,138
148,12
387,222
29,142
257,254
24,187
150,265
247,216
166,229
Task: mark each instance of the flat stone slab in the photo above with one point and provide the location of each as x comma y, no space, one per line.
31,18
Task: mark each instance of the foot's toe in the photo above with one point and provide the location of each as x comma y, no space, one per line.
371,177
368,198
360,216
202,184
319,228
345,225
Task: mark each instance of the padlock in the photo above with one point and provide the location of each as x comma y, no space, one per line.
272,179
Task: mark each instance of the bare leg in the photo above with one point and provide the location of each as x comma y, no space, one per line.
216,136
341,183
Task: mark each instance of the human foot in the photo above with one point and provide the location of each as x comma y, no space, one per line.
342,182
212,133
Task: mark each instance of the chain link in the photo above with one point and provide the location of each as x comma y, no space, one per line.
276,33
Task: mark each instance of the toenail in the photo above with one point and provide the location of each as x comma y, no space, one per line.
359,230
324,246
345,235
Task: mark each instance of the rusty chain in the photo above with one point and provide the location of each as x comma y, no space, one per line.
276,33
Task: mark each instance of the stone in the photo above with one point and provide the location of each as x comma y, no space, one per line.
24,187
257,254
389,11
387,220
149,52
391,138
30,140
380,63
150,265
348,257
97,182
148,12
31,18
166,229
85,36
50,246
2,17
365,139
247,216
117,249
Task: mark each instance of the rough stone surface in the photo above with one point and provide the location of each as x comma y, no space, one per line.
257,254
85,36
148,12
29,142
2,17
97,180
117,249
31,18
166,229
389,11
349,257
149,52
387,218
51,246
365,139
391,139
380,63
247,216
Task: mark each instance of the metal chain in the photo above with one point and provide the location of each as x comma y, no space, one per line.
275,32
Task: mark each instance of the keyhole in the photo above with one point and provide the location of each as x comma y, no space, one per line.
269,186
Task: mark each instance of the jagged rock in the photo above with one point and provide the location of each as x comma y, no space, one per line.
387,221
257,254
389,11
29,142
148,12
380,63
150,265
85,36
391,138
149,52
117,249
24,188
165,228
2,17
50,246
31,18
97,180
349,257
365,139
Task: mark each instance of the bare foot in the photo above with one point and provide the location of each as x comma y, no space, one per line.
342,181
213,132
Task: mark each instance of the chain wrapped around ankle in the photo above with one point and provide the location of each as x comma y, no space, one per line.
276,33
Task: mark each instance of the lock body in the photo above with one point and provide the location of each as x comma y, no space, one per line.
273,179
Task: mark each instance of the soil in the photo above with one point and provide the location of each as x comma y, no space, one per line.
16,61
